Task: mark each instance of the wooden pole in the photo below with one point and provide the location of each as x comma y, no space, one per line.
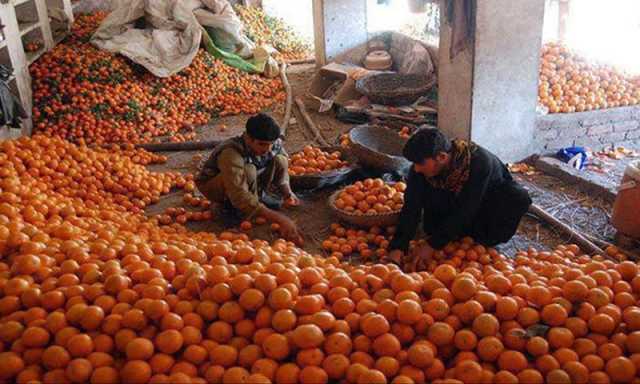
605,244
176,147
289,106
586,245
303,61
312,126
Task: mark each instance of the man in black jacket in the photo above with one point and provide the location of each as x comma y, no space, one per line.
460,189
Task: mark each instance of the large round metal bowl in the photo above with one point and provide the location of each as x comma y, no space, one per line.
378,147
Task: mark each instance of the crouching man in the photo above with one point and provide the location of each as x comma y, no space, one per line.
240,171
459,189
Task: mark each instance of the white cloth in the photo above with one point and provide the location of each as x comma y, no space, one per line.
172,34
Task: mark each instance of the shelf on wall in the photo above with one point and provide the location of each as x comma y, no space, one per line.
19,2
28,27
57,38
45,22
33,56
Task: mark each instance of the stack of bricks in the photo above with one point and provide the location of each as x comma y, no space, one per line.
594,129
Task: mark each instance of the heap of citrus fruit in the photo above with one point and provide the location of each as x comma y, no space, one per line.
313,160
569,83
371,197
265,29
405,132
81,92
345,140
92,291
346,241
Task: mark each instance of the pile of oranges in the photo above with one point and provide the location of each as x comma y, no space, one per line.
347,241
182,216
313,160
405,132
265,29
92,291
81,92
33,46
371,197
568,83
345,140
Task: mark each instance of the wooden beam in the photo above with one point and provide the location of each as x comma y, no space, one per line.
312,126
289,104
177,147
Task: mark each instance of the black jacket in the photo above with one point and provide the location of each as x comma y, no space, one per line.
448,216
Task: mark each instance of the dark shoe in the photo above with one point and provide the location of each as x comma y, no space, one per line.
271,201
230,216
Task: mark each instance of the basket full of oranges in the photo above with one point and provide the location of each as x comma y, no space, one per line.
317,167
368,203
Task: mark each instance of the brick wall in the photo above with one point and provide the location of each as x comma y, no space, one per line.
595,129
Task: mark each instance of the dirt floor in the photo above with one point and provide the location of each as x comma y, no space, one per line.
313,216
584,212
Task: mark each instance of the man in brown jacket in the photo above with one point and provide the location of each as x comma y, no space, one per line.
242,169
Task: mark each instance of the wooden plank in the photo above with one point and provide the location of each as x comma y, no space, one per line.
312,126
27,27
303,61
289,103
176,147
586,245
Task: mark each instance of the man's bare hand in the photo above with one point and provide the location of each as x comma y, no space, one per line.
289,230
292,201
419,259
396,256
424,252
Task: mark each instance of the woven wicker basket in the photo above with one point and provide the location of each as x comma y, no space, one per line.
367,221
325,179
394,88
378,147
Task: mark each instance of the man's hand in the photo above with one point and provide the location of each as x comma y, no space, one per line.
424,252
291,200
289,230
419,258
396,256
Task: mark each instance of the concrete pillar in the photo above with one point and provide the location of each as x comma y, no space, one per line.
339,26
488,92
564,10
